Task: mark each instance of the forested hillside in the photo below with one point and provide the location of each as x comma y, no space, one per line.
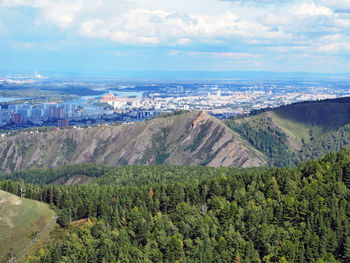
297,132
298,214
136,175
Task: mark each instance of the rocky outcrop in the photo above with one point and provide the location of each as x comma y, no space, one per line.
193,138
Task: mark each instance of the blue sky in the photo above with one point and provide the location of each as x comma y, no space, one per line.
181,35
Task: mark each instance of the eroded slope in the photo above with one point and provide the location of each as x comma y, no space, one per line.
193,139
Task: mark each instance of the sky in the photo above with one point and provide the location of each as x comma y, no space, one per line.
175,35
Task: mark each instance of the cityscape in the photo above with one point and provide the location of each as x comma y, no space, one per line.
108,101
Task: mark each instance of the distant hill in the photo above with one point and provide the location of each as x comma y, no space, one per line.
193,138
20,220
297,132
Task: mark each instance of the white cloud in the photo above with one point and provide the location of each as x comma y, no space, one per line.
183,41
154,23
311,9
291,26
60,13
203,7
143,26
334,44
335,4
331,38
342,23
335,47
214,54
329,48
304,17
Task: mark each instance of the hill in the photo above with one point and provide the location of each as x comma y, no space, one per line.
193,138
20,220
263,214
297,132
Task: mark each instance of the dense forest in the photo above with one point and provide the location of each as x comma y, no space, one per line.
298,214
273,143
136,175
332,141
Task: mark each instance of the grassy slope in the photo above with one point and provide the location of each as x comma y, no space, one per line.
20,219
306,126
321,118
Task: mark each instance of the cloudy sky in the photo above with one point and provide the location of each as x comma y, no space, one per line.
210,35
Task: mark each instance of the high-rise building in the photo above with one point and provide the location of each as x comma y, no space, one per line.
13,107
16,118
37,113
56,113
25,112
5,115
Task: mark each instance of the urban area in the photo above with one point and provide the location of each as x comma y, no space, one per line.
125,102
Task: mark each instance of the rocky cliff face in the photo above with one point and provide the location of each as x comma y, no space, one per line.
189,139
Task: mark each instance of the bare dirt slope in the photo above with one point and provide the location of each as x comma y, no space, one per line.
193,138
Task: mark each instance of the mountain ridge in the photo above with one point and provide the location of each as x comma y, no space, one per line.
194,138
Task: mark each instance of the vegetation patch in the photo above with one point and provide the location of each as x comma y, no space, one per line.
331,142
175,113
20,219
266,138
204,128
158,149
50,175
70,146
100,149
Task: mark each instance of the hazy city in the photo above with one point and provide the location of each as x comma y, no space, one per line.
109,101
